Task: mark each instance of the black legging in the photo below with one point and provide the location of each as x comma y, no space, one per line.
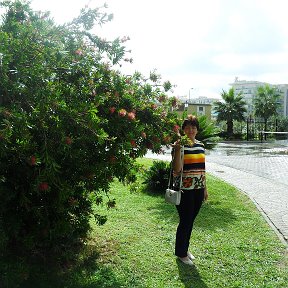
188,209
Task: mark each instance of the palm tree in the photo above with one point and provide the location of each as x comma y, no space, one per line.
207,132
233,108
266,103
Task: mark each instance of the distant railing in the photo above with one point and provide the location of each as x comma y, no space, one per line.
263,133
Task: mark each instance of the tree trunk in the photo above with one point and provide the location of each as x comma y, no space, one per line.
230,128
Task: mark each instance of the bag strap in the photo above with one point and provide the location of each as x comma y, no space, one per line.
170,173
171,167
182,161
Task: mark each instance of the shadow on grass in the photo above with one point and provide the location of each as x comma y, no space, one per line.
218,216
189,276
86,273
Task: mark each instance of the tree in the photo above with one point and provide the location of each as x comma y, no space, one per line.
70,123
233,108
283,124
266,103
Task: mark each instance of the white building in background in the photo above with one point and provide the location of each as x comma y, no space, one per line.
203,100
283,90
198,100
249,90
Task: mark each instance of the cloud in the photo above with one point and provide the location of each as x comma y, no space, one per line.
201,44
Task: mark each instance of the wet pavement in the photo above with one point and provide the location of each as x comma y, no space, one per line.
268,160
258,169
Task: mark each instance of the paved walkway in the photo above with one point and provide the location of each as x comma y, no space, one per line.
260,171
271,198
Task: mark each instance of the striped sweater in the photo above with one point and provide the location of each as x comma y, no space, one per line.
194,159
193,167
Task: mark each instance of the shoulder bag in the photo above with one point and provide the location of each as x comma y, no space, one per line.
174,196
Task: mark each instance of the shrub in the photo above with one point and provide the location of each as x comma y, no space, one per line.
157,176
207,133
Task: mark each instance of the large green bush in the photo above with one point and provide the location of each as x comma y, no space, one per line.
69,123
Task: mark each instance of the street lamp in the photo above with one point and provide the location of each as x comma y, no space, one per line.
189,93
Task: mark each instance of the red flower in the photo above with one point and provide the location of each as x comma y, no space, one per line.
143,134
133,143
176,128
112,109
33,160
131,115
43,186
79,52
153,106
68,140
122,112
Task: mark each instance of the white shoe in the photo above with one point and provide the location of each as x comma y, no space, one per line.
186,260
190,256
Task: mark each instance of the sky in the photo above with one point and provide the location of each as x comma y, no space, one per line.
199,46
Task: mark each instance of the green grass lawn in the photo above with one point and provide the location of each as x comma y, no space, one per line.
233,245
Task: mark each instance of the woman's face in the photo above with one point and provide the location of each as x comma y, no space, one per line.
190,131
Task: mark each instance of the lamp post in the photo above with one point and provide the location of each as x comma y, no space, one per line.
249,120
189,94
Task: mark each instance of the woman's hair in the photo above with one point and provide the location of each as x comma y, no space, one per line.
191,120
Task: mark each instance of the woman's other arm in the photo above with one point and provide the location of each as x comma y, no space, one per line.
177,162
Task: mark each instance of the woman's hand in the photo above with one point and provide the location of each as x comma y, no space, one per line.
176,145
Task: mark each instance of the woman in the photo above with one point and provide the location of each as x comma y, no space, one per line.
193,186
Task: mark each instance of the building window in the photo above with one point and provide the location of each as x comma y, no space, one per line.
200,110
